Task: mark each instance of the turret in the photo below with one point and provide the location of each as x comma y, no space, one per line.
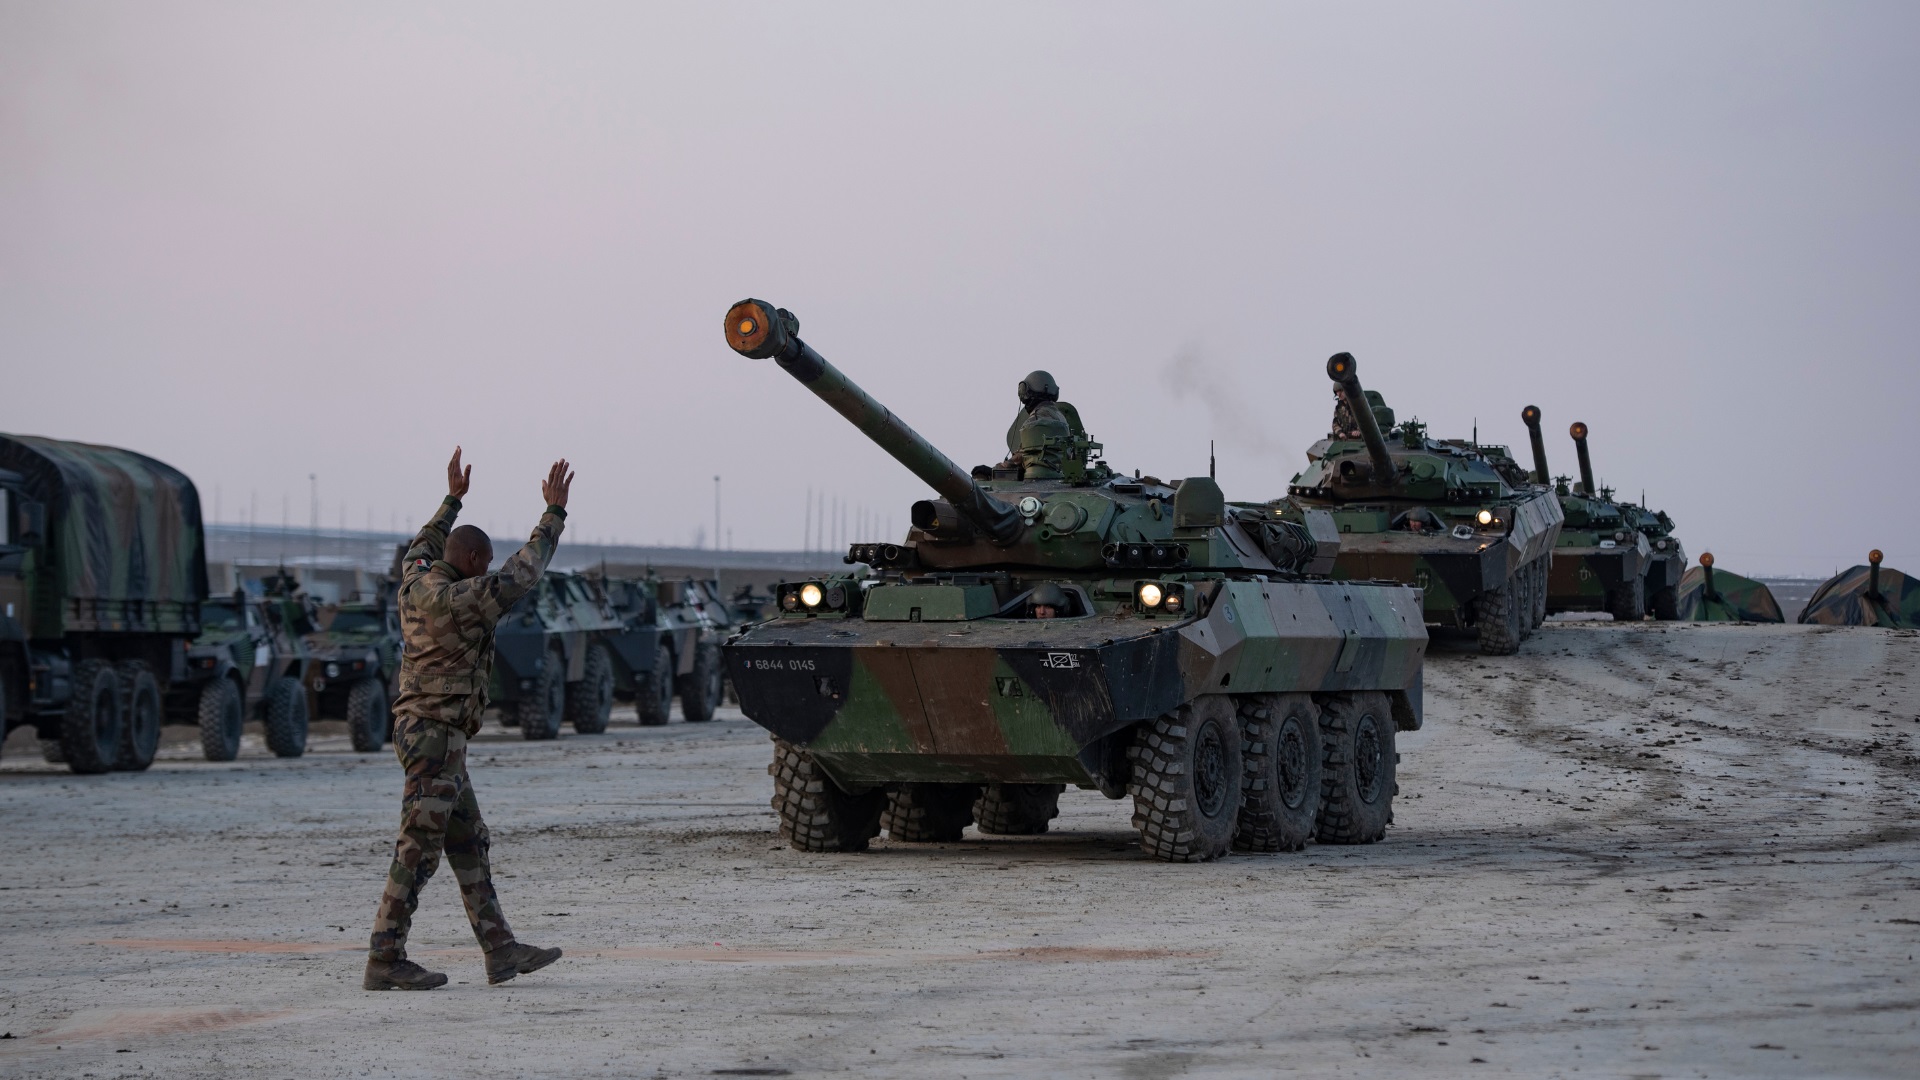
758,330
1531,417
1340,368
1579,433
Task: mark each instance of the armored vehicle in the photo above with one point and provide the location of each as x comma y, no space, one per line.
355,661
1441,515
1710,595
1866,596
1666,562
1601,560
249,660
553,662
1050,622
102,570
694,621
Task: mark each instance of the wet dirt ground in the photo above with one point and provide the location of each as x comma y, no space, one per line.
1676,851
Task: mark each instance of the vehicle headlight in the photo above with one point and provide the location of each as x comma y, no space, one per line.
1151,595
789,601
1661,543
1485,517
333,671
1621,536
811,595
1175,602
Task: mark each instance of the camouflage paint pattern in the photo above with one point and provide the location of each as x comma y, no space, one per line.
1449,571
447,621
563,609
124,551
1846,599
1597,555
1667,562
1732,599
437,812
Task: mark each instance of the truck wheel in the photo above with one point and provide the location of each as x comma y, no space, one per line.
141,716
1357,768
1497,617
815,815
286,717
367,715
1628,603
1280,742
221,715
590,701
929,813
545,706
700,694
1665,602
90,732
1017,809
1188,774
1542,568
653,698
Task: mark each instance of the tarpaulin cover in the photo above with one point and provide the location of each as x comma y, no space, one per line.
1735,599
1842,600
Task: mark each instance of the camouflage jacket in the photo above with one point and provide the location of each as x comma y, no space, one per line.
447,621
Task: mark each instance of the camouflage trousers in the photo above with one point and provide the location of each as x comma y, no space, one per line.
437,811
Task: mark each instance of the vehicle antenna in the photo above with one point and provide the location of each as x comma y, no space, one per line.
1210,475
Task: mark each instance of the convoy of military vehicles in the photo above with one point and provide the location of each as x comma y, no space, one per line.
1238,670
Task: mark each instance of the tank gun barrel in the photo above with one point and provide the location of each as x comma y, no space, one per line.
1579,433
1531,417
758,330
1341,369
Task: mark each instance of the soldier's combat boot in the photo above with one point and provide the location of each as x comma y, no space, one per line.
517,959
400,975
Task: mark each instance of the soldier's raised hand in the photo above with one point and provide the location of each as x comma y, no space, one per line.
457,480
559,481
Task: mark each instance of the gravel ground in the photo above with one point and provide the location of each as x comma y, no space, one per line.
1629,851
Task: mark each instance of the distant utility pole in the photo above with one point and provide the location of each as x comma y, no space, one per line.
806,534
313,528
716,513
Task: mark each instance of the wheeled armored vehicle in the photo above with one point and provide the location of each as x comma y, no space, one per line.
553,660
1049,622
249,660
1602,559
355,660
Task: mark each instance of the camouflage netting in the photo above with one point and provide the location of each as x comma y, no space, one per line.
1734,599
1843,600
123,528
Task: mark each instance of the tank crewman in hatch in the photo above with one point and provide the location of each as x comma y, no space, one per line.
1043,417
1048,601
449,605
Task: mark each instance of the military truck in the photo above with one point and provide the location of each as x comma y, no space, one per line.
553,663
247,661
1601,560
102,570
1439,515
1051,622
355,664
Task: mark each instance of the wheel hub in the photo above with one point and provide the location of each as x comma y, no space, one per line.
1293,764
1366,763
1209,771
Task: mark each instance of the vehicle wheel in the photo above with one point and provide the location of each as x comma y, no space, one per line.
286,717
1542,569
545,705
653,697
929,813
1280,742
700,694
368,717
815,815
1017,809
1188,774
221,716
1497,616
51,753
1629,602
140,717
90,732
1665,602
590,701
1357,772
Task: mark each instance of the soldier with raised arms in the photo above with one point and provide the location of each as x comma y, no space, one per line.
449,605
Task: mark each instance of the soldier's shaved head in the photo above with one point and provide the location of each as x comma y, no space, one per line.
470,550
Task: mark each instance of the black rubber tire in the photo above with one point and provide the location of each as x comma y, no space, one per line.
1497,618
1665,603
368,717
1016,809
90,732
1281,745
590,701
141,714
1542,569
286,717
1629,602
51,753
653,696
701,690
815,815
929,813
543,707
1188,777
1357,783
222,715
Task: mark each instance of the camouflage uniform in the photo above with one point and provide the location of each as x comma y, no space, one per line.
447,622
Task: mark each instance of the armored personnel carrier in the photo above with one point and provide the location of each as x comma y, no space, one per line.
1667,561
355,656
1601,560
249,660
552,663
1050,622
1439,515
